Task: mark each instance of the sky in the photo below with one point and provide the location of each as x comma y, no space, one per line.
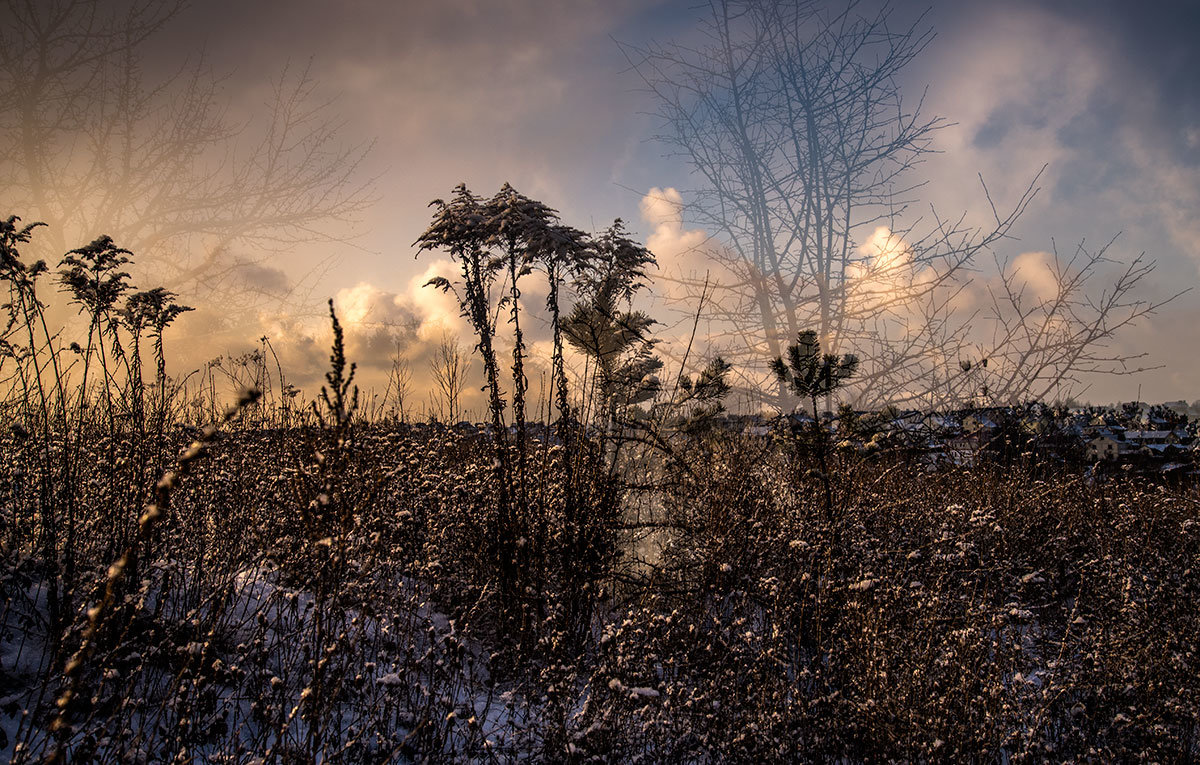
538,93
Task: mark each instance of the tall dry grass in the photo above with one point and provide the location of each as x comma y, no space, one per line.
294,584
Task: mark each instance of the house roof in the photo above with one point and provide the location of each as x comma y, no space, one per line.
1147,435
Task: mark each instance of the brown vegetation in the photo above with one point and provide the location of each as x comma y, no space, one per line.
295,585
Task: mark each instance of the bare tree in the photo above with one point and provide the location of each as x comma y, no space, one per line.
90,144
449,367
792,117
399,387
1042,344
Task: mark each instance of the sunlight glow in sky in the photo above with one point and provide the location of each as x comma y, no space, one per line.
538,94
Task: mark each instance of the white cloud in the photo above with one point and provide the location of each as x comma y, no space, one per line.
1034,271
424,311
679,251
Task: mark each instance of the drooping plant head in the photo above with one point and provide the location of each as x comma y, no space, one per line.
12,269
808,373
93,277
151,309
514,220
457,226
616,267
534,234
562,248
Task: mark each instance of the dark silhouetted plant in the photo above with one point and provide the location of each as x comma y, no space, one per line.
608,331
813,375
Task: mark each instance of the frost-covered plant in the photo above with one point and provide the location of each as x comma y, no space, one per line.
605,328
329,591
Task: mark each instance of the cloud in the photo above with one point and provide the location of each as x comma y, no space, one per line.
1105,93
410,321
1035,271
378,324
263,279
425,311
365,303
885,268
533,92
894,284
885,249
678,250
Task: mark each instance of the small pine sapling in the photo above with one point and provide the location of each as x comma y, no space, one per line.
810,374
